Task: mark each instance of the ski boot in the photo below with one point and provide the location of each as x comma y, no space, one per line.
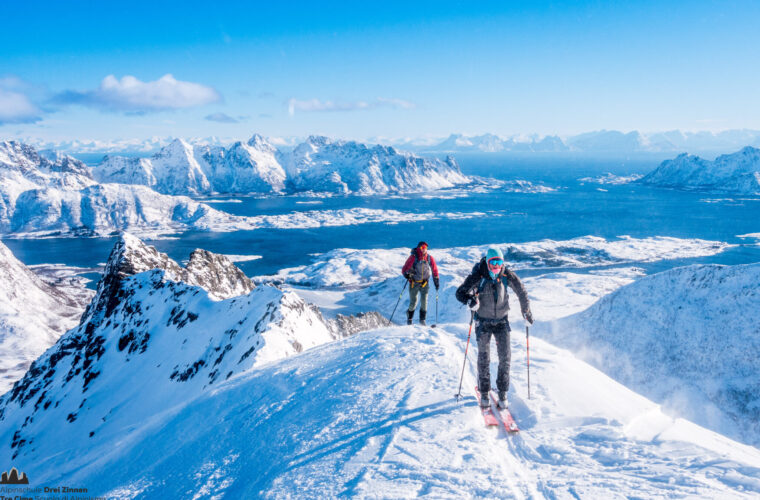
503,400
485,401
423,315
409,316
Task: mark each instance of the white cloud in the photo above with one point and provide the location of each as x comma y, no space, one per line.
132,95
15,106
317,105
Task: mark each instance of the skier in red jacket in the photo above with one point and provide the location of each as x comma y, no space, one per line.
418,269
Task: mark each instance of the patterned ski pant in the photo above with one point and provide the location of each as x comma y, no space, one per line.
500,332
416,289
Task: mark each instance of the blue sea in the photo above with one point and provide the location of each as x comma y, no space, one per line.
575,209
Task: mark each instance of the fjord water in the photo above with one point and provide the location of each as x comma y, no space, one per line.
574,209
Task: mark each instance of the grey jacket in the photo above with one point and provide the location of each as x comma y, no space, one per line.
492,293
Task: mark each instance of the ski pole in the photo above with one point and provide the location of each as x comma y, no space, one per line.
436,308
527,353
461,377
399,300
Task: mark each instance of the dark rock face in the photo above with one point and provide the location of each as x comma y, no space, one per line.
215,273
130,256
344,326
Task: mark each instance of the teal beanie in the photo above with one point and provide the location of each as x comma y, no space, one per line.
493,252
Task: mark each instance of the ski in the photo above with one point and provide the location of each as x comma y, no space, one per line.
506,417
489,417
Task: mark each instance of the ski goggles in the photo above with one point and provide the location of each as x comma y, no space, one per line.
496,262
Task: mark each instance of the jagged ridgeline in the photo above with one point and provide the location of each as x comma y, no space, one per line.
319,164
155,336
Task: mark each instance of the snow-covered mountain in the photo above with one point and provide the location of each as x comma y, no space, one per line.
490,143
33,314
737,173
317,165
23,168
323,165
182,169
40,197
686,338
154,336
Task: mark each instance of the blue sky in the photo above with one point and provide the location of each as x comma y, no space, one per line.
97,70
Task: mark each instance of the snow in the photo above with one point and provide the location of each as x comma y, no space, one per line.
737,173
352,267
42,198
612,179
33,315
243,258
318,165
352,419
694,331
373,415
344,167
183,169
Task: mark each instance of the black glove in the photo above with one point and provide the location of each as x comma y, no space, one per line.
436,282
473,303
408,276
528,317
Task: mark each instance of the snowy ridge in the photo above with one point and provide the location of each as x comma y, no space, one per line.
323,165
694,330
182,169
374,415
737,173
154,336
318,165
39,198
601,141
33,314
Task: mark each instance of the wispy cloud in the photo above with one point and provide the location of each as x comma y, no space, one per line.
15,105
221,118
317,105
131,95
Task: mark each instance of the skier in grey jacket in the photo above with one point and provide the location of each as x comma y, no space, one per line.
485,292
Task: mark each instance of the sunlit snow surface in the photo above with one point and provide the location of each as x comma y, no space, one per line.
374,416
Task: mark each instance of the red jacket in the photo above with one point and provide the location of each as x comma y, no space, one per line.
410,262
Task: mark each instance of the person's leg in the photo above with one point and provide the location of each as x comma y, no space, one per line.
413,292
483,337
423,303
504,350
423,297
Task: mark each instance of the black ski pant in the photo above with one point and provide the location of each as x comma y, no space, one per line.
500,332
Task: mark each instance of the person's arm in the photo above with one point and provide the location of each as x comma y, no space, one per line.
407,265
522,295
464,292
433,266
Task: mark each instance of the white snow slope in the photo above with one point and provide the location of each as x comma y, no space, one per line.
33,314
687,338
374,416
737,173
